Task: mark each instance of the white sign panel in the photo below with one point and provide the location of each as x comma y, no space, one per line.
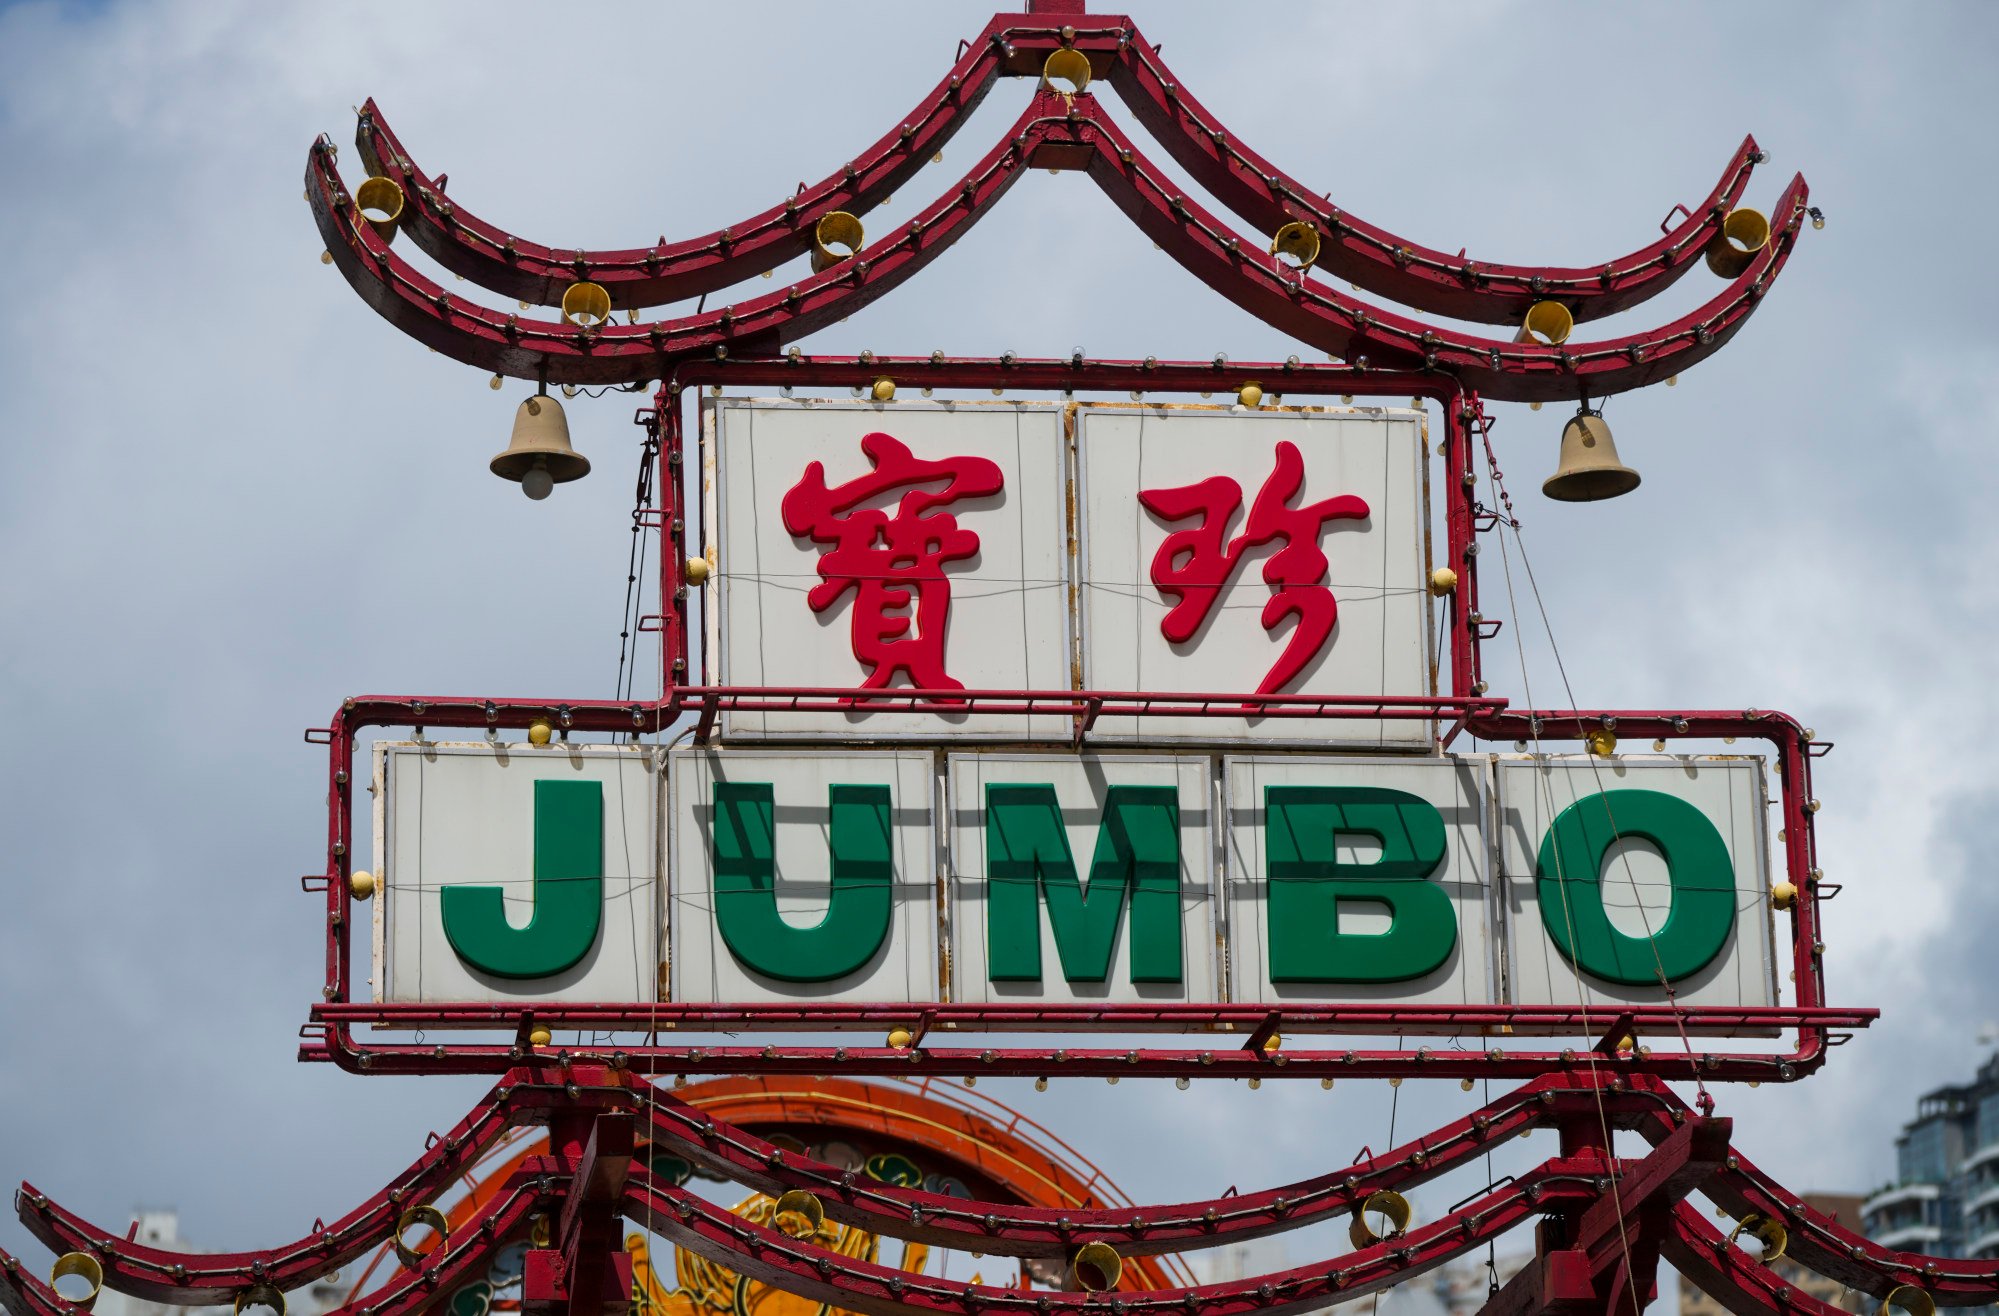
1276,552
1048,877
1620,872
1082,878
510,873
804,875
1184,550
913,545
1360,880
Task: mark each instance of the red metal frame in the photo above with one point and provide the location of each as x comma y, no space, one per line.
1053,132
1016,45
331,1037
1607,1221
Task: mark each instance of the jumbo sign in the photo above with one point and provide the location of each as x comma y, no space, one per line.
941,850
609,873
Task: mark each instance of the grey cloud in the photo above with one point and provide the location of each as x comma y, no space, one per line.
232,495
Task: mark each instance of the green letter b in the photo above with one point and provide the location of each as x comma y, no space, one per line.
1308,882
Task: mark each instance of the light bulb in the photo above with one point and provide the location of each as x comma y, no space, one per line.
537,483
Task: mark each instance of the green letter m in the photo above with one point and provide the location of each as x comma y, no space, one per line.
1027,857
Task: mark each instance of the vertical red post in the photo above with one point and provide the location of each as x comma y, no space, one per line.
673,552
1461,415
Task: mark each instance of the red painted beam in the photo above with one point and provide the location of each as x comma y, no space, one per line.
1052,126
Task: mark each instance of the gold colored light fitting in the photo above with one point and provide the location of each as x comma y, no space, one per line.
1095,1267
1770,1233
798,1214
410,1219
1066,71
1299,241
261,1295
1743,233
361,884
1442,581
835,229
86,1267
1546,323
380,202
586,305
1391,1206
1910,1300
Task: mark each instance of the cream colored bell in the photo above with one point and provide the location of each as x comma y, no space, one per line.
1589,470
539,458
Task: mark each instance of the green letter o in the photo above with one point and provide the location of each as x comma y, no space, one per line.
1702,912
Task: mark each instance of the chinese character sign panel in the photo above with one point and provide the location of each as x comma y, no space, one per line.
1267,552
890,547
974,546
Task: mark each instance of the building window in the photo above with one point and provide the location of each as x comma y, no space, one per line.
1921,1154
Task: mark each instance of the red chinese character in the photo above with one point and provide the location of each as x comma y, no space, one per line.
887,560
1194,568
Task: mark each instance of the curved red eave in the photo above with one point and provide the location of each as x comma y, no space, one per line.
1831,1249
1394,267
160,1275
771,1258
1054,132
668,271
1373,258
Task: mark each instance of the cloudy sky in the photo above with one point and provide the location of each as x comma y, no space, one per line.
233,496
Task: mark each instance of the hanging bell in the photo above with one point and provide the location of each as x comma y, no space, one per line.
539,458
1589,471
